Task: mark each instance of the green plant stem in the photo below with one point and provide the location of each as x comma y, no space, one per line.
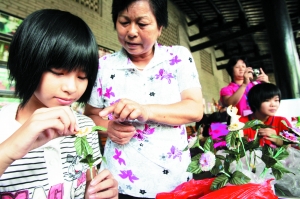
91,172
247,162
279,152
225,173
256,134
200,147
263,174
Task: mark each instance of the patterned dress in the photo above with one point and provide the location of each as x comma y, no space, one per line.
153,161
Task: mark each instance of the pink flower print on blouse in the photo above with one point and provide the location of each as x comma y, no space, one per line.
81,179
164,74
99,90
128,174
113,102
174,60
175,153
117,157
182,131
108,92
141,134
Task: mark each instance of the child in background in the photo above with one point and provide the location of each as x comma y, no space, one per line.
53,59
264,100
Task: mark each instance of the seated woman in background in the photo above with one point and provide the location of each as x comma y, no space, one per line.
235,93
264,101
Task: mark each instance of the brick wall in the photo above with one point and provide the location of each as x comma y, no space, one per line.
102,26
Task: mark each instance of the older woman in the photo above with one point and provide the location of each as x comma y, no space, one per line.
148,91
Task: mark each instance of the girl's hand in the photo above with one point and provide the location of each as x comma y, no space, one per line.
262,77
267,133
103,186
43,125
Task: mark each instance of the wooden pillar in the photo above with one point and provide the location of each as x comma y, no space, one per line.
283,48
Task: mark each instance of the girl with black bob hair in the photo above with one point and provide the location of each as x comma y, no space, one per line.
37,47
264,100
242,80
259,94
53,58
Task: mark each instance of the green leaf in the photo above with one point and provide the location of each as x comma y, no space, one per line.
220,157
267,150
278,170
82,146
196,157
219,182
194,167
231,138
88,160
269,161
228,160
239,178
284,154
104,159
252,123
99,128
209,145
217,168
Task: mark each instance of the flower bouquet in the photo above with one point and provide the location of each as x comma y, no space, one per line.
233,158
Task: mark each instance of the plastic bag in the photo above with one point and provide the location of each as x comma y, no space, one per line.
192,189
289,184
245,191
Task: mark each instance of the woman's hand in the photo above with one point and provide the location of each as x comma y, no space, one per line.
248,75
262,77
126,109
120,133
119,129
103,186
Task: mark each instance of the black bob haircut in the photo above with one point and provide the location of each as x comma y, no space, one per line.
51,39
260,93
232,62
159,9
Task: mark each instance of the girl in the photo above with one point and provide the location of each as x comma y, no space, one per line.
264,100
53,59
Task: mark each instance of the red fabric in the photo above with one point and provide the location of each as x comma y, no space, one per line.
245,191
192,189
274,121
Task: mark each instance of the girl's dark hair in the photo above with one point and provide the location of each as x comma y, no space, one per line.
158,7
260,93
51,39
232,62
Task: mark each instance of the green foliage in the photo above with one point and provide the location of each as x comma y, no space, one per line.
239,178
219,182
237,147
84,149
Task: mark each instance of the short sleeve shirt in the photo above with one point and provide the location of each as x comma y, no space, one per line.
53,170
274,121
242,105
154,160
